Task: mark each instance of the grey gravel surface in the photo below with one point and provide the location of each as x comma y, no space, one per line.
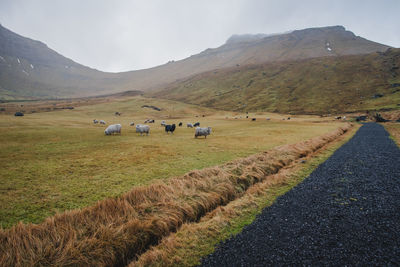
347,212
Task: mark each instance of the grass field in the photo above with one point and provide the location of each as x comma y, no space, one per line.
56,161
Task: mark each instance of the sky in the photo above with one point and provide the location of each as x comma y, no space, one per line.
125,35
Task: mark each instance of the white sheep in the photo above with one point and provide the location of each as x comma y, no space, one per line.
142,128
202,132
112,129
95,121
102,122
189,125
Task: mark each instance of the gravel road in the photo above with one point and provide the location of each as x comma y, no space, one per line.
347,212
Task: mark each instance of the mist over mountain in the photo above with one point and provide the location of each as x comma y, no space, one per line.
29,69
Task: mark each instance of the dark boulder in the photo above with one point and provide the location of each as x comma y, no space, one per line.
361,118
152,107
378,118
395,84
377,95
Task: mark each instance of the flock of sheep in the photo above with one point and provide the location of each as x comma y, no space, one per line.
143,128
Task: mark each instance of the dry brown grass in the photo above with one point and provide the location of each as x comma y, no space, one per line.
116,231
392,115
38,106
394,130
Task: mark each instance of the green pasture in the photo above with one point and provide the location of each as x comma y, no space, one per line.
56,161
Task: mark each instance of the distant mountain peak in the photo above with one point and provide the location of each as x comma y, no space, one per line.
247,38
243,38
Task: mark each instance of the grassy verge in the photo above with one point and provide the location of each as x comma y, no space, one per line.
394,131
195,240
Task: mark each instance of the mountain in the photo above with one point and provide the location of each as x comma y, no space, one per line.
29,69
315,85
256,49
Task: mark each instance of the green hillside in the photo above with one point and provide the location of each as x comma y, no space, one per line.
319,85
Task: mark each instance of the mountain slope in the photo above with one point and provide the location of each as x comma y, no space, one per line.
29,69
256,49
317,85
300,44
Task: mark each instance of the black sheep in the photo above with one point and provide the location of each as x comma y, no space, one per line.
180,124
170,128
197,124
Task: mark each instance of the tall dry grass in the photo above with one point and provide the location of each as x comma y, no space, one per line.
116,231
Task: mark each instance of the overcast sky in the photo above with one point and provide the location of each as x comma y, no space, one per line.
126,35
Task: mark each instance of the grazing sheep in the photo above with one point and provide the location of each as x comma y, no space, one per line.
132,123
268,119
112,129
189,125
19,114
170,128
197,124
253,119
163,123
102,122
141,128
288,118
117,114
202,132
95,121
149,121
180,124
